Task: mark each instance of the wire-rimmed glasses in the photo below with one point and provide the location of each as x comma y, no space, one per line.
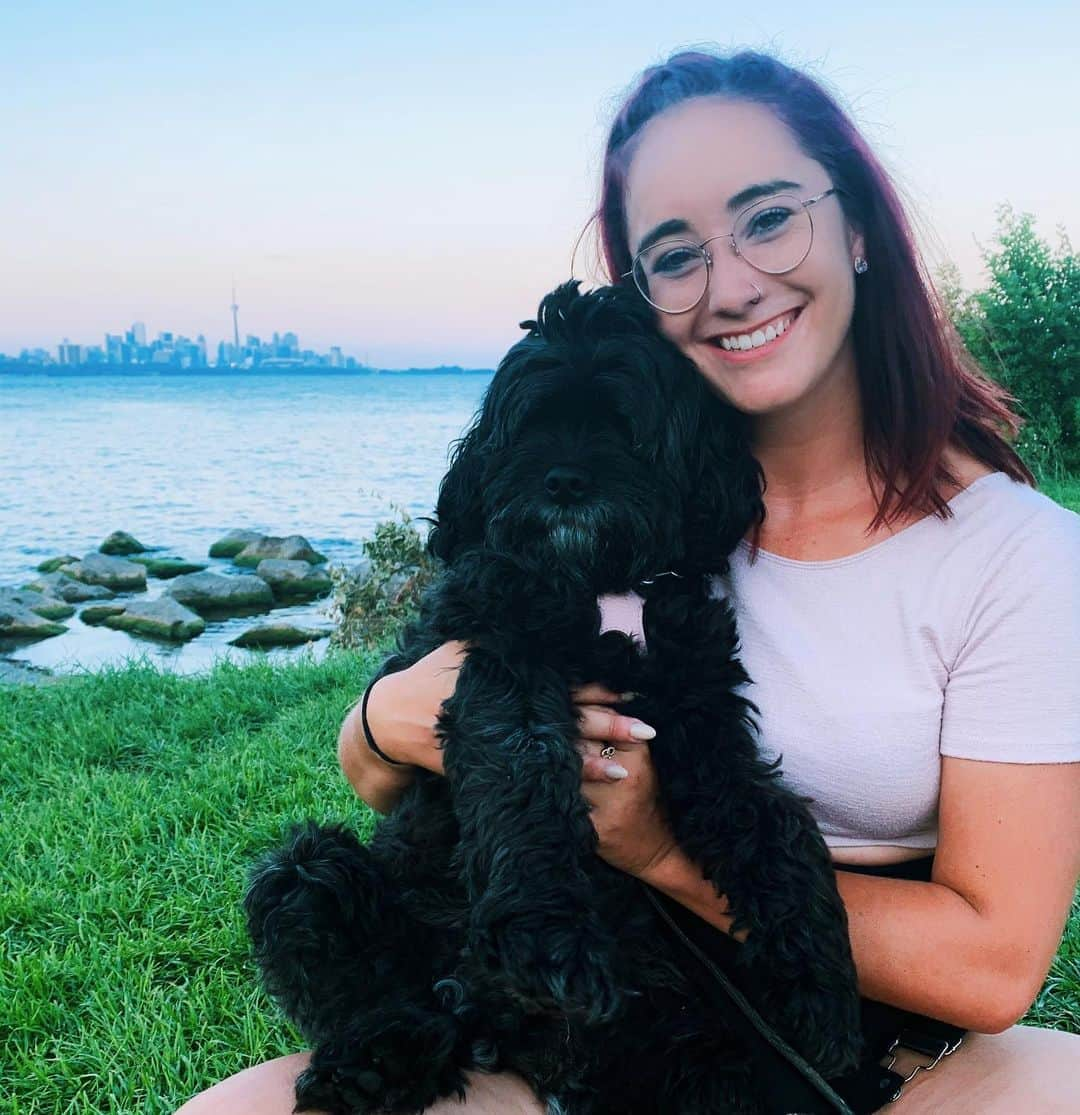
773,235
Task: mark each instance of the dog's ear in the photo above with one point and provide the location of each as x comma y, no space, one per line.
459,522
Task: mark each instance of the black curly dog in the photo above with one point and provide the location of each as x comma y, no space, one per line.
479,929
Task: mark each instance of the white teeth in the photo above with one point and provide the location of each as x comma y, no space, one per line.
756,339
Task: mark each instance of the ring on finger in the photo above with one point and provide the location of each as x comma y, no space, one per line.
607,753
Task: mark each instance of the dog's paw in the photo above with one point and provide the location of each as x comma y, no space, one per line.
401,1061
564,965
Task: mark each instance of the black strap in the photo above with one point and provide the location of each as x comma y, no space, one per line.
799,1063
367,729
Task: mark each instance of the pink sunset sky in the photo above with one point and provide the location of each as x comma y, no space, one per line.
406,180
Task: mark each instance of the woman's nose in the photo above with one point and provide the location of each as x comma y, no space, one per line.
733,283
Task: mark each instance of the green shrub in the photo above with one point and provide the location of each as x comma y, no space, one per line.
1024,330
372,603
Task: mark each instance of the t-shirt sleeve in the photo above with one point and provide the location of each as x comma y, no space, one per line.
1013,693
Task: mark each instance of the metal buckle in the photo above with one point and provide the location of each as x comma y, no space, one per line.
926,1046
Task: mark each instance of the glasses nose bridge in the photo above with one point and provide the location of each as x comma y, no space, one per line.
729,236
717,286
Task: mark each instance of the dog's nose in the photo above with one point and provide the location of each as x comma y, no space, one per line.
566,484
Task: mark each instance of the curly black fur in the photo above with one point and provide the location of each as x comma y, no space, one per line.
478,929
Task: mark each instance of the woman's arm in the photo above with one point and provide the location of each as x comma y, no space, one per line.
377,783
402,710
973,946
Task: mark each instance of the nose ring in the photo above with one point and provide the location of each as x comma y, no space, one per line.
755,301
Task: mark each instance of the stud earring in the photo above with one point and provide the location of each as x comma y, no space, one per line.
861,266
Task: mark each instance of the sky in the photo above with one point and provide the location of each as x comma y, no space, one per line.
407,179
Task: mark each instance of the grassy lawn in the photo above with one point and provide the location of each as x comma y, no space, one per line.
133,804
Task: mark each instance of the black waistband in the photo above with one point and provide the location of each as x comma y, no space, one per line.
918,870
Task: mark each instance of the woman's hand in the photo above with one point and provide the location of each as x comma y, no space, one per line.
621,790
402,710
403,707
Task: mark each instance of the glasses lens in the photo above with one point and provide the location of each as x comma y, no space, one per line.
774,235
672,275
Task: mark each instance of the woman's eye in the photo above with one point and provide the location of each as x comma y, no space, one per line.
768,221
675,260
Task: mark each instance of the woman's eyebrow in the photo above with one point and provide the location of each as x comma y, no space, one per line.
675,226
761,189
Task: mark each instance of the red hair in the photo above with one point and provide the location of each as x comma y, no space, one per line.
920,388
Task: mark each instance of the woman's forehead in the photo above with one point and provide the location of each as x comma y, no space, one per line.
693,160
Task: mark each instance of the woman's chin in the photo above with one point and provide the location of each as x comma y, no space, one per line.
754,394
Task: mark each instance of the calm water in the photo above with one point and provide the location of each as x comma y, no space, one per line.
179,460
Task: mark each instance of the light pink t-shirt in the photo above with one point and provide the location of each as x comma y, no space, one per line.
956,637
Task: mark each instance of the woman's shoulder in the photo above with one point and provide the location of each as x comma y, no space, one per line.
992,505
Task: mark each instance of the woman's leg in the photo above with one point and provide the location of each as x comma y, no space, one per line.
1022,1069
267,1089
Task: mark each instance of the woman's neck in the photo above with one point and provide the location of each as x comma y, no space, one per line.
812,452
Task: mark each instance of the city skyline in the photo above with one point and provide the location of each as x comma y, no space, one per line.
406,182
171,348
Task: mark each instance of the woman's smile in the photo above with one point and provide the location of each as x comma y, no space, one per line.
757,342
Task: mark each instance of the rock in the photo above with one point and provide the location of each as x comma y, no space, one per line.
277,635
396,583
163,618
293,548
51,565
17,622
112,572
361,571
97,614
121,543
64,588
14,672
216,593
292,579
167,568
233,542
46,606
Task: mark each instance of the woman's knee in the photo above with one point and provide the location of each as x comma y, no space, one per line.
1022,1069
265,1089
500,1093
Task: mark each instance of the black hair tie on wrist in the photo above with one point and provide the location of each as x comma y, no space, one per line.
367,729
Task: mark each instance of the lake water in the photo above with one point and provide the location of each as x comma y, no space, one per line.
179,459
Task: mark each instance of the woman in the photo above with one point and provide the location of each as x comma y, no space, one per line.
911,619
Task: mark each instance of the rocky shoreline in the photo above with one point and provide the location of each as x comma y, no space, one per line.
254,574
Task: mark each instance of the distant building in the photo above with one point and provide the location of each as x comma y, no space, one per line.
114,348
69,353
138,334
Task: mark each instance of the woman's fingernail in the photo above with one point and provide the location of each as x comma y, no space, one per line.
625,697
616,772
640,730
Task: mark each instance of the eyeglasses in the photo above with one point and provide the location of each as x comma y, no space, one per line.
773,235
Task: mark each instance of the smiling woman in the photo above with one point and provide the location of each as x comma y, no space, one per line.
914,606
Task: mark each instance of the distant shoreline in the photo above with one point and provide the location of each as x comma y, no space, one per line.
136,370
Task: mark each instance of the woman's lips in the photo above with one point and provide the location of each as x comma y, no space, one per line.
747,356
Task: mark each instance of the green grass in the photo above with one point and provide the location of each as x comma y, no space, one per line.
1065,490
133,804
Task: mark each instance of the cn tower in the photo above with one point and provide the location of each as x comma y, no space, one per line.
235,325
